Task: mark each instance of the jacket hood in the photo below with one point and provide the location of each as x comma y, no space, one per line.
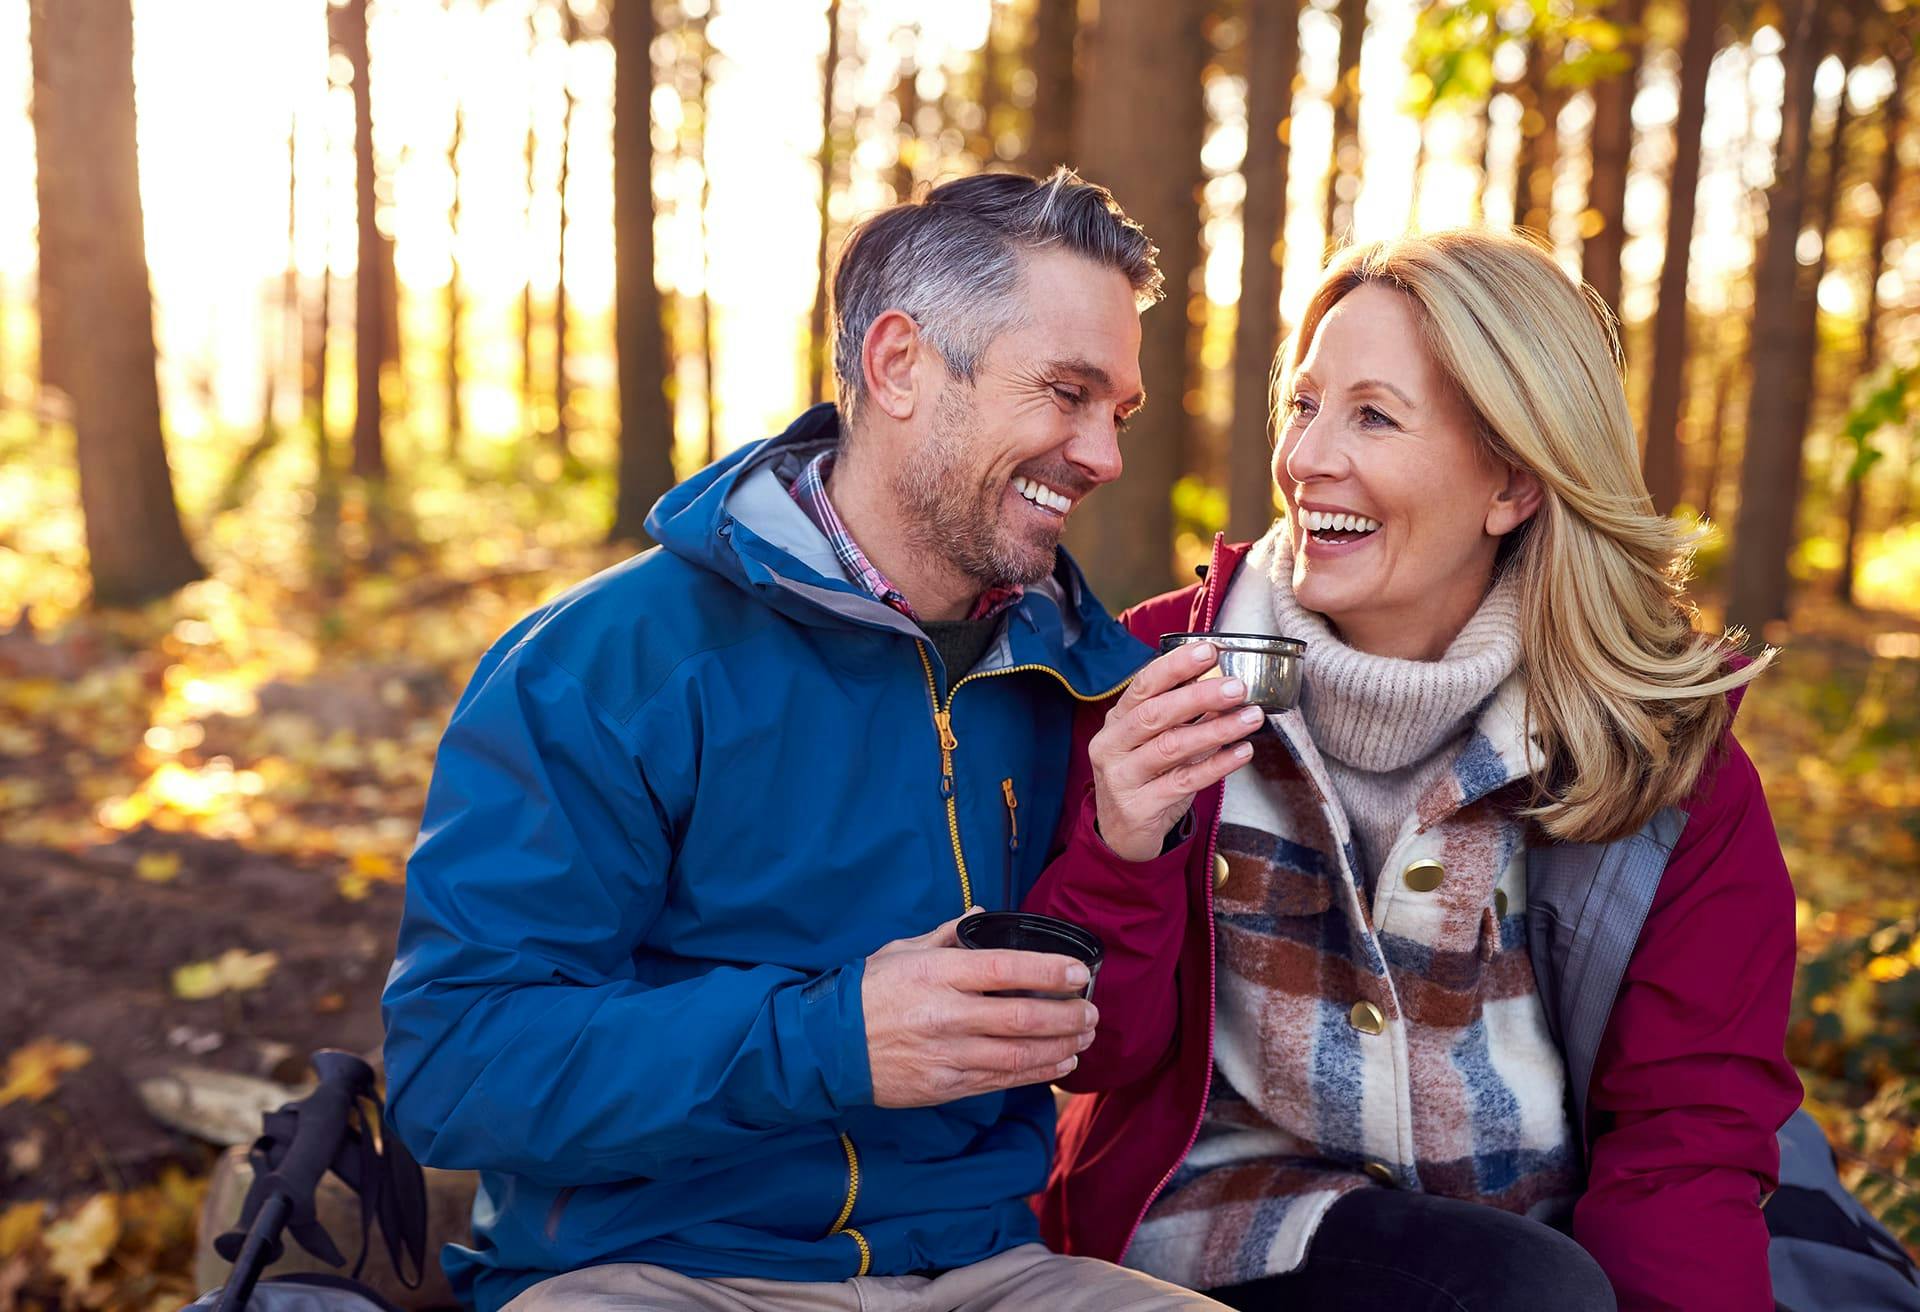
737,519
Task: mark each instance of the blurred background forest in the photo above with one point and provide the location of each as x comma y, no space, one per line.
334,337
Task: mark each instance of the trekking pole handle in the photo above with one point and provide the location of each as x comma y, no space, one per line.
247,1267
344,1080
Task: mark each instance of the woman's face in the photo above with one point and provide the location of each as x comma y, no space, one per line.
1395,507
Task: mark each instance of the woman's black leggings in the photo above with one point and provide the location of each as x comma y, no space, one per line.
1390,1249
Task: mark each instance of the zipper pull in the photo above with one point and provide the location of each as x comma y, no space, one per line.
1013,823
943,720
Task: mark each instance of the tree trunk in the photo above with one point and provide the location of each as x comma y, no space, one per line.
646,421
906,95
369,311
323,444
1273,58
1141,123
1664,395
89,191
1540,140
1727,373
529,411
1479,206
456,416
1612,150
1887,187
287,341
992,90
1056,24
562,389
712,392
1343,167
1806,308
819,349
1763,534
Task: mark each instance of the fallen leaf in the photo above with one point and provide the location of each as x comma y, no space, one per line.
34,1072
157,867
20,1226
233,971
24,1156
14,1274
81,1243
373,865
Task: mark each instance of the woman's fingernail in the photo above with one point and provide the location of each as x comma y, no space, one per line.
1232,690
1243,751
1251,715
1076,975
1069,1064
1201,652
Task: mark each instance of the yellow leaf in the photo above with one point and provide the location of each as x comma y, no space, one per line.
19,1226
34,1072
157,867
79,1244
373,865
1883,970
233,971
1855,1007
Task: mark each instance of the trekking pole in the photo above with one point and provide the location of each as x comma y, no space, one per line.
319,1128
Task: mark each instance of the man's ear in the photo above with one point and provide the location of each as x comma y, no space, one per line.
888,354
1514,504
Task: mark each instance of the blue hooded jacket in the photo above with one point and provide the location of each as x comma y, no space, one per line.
674,812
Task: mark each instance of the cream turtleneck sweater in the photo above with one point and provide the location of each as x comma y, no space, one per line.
1384,725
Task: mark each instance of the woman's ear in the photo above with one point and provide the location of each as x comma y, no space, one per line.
891,350
1514,504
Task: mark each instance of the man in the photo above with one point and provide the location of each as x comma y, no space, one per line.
669,975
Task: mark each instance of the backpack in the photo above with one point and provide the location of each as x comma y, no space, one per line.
1586,905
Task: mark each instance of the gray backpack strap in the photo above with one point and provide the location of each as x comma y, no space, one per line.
1586,905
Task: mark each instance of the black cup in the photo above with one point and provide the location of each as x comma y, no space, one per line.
1025,932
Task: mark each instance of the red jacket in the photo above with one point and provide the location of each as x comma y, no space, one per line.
1689,1087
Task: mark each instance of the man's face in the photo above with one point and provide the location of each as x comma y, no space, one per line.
1002,462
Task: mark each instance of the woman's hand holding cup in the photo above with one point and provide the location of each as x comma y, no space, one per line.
1171,734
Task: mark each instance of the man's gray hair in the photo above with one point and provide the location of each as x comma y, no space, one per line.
952,261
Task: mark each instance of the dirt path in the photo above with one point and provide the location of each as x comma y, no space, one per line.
87,952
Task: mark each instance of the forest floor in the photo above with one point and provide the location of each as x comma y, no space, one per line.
206,805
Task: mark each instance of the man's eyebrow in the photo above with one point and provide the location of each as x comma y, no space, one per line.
1094,374
1378,384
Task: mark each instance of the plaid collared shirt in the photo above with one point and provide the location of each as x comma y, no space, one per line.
810,490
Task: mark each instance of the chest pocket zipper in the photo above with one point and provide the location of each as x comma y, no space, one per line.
1013,841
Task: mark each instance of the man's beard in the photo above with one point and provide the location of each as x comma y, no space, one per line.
950,514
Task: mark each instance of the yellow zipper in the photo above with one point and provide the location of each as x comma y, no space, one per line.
866,1253
853,1186
943,721
840,1226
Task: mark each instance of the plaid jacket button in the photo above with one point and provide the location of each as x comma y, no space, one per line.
1220,872
1424,875
1367,1018
1381,1172
1500,903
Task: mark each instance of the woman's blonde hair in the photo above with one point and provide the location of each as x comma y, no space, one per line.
1627,699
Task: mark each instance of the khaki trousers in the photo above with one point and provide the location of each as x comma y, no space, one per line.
1018,1280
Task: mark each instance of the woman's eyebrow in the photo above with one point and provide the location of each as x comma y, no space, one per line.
1364,385
1381,385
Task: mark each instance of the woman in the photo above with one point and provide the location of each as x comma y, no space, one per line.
1325,1075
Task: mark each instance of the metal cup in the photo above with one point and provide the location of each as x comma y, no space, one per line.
1269,665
